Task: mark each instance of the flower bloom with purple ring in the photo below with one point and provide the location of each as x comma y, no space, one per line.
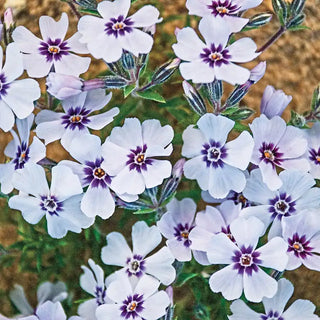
243,260
52,52
213,60
134,262
117,31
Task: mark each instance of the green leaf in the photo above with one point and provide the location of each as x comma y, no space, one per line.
145,211
184,278
151,95
298,28
128,89
240,127
230,110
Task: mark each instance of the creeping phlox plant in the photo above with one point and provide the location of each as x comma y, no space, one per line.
95,158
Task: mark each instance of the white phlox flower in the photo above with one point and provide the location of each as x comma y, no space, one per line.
134,262
48,311
60,203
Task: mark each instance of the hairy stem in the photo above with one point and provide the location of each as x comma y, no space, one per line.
273,39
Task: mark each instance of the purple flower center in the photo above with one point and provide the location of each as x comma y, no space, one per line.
270,154
137,159
181,232
54,49
281,205
223,7
51,205
3,85
76,118
100,294
246,260
215,56
226,230
299,246
272,315
22,156
315,156
136,266
239,198
213,153
132,306
95,175
118,26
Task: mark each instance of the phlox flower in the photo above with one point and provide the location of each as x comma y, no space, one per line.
176,225
295,194
130,152
236,197
226,9
52,52
313,152
277,145
243,259
134,262
75,121
213,59
16,96
21,152
117,31
217,165
60,203
48,310
143,302
274,307
302,234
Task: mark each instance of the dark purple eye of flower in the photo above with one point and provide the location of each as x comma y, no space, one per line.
76,118
118,26
181,232
3,85
54,49
299,245
213,154
272,315
215,56
281,206
227,232
95,175
270,154
223,7
246,260
51,205
314,156
22,156
137,159
136,266
132,306
100,294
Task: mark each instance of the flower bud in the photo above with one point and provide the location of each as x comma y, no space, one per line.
297,6
273,102
127,61
297,119
114,82
193,97
165,71
214,91
259,20
8,18
169,291
258,72
87,4
63,86
177,169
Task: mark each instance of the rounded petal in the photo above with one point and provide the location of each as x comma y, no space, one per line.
118,290
7,117
179,250
232,73
13,67
108,312
26,40
196,168
110,152
156,172
155,306
36,65
301,308
197,71
99,121
193,140
109,9
146,16
241,311
243,50
51,29
72,64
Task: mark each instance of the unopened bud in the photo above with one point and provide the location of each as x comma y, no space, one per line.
169,291
87,4
8,18
165,71
315,102
297,119
214,91
127,61
114,82
296,21
297,6
259,20
177,169
241,114
194,99
258,72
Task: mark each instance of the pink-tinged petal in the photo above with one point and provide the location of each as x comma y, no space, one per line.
270,176
108,312
215,127
13,67
110,152
196,168
37,150
274,254
259,285
51,29
247,231
239,151
50,131
7,117
109,9
198,7
160,266
119,290
224,179
117,251
232,73
243,50
144,238
227,281
236,24
193,140
137,42
99,121
146,16
301,309
26,40
29,207
197,71
72,64
179,250
182,211
155,306
156,172
98,201
20,96
75,45
279,301
189,46
221,249
241,311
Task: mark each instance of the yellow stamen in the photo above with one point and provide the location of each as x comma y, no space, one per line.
118,26
268,154
23,155
222,10
318,158
297,246
99,172
75,118
140,158
132,306
185,234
